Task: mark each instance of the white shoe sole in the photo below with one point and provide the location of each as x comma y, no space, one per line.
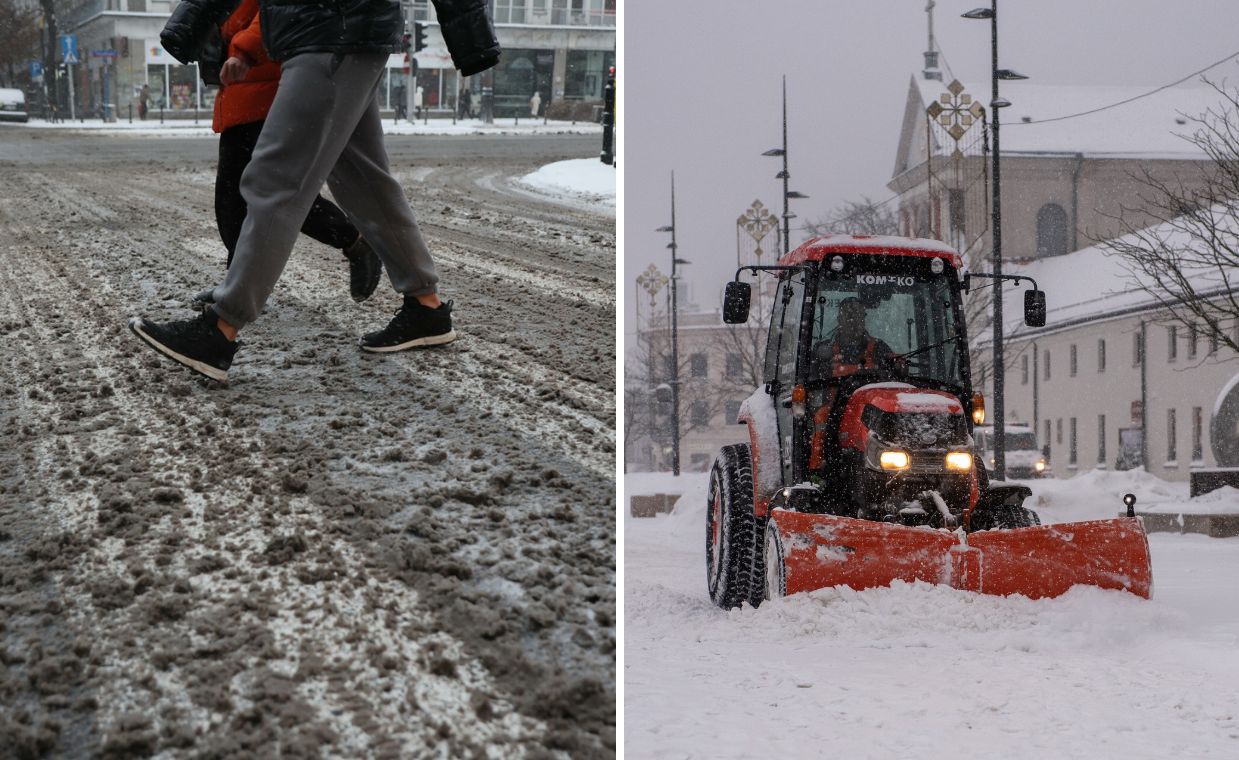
433,340
207,370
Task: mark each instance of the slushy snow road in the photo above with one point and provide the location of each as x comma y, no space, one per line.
335,554
927,671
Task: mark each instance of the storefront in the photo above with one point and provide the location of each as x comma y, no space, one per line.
518,76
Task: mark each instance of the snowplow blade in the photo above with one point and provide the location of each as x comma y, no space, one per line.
1049,559
823,550
817,551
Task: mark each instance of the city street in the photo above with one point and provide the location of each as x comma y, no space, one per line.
335,554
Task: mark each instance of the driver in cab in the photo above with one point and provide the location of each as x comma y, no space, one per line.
852,349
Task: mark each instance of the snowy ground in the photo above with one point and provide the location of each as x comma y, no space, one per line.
927,671
335,554
585,181
188,128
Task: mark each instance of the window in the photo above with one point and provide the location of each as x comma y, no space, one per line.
1045,370
1101,355
1214,341
1192,335
1101,440
956,210
1172,450
699,462
1058,438
697,365
1137,350
731,410
510,11
1073,450
1198,420
1024,369
735,366
1172,346
699,414
1051,230
1073,362
1048,437
668,368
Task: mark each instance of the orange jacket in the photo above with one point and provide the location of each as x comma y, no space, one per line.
250,99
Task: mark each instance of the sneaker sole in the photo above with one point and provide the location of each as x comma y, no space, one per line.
205,370
433,340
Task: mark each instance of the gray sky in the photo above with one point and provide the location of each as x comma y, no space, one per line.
701,95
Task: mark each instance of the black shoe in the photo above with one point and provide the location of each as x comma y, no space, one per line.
414,325
364,269
197,343
203,300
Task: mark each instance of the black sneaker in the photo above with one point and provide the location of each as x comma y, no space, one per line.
197,343
414,325
364,269
203,300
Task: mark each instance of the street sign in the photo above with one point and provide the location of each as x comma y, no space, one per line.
68,48
36,69
103,54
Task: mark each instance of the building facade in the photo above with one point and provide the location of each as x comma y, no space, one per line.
561,49
1097,396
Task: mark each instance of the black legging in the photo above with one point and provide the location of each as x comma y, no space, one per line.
325,223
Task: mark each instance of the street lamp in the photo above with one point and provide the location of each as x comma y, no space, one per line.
675,351
991,13
784,175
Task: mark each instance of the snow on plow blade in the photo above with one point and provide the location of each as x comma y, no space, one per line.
817,551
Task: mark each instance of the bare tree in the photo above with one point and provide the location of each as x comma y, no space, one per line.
863,217
21,38
1181,246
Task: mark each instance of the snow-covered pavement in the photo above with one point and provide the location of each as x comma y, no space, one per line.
927,671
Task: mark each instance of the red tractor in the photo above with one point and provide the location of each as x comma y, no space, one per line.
859,468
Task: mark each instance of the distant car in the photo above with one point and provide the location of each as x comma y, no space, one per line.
12,105
1023,459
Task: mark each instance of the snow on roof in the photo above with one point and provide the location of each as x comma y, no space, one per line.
1094,282
1148,127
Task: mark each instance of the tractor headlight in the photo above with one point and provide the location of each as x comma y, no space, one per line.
893,459
959,461
1039,466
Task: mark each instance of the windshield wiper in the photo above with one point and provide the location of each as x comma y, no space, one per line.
923,349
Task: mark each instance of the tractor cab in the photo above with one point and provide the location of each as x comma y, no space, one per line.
859,468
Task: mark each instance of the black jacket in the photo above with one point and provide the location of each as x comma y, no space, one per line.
290,27
192,24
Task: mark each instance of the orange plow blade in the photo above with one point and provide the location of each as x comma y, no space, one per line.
817,551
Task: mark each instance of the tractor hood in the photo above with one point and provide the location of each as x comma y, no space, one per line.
904,414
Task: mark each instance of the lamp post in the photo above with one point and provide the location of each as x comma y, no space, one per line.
675,351
991,13
784,175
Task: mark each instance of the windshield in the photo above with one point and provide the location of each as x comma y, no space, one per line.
875,313
1020,441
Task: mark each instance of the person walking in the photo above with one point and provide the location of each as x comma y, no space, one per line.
240,109
324,126
144,99
535,102
466,103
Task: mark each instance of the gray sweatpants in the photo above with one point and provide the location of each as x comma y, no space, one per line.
323,127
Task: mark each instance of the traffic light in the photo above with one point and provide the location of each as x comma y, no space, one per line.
419,36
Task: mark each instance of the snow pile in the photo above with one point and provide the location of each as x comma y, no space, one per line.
917,670
586,178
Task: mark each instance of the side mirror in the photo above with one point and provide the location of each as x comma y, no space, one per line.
736,298
1034,308
967,282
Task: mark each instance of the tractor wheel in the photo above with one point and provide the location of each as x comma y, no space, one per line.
1002,508
734,535
775,586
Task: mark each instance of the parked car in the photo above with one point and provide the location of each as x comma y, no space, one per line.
1023,459
12,105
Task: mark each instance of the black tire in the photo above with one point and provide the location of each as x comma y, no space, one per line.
734,535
